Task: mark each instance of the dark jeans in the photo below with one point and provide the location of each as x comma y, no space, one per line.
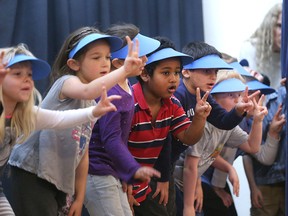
151,206
212,202
33,196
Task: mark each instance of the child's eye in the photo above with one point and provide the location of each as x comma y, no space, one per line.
166,73
177,73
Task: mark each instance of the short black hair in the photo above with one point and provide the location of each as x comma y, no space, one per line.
200,49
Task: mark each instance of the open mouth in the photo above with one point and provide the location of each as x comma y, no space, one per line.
172,89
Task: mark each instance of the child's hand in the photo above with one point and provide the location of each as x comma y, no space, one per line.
163,190
105,105
277,123
132,201
256,197
233,178
225,197
259,111
198,197
245,103
145,173
133,65
3,70
202,108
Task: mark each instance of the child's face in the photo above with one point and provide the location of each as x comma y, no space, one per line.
227,100
165,79
18,84
95,62
203,78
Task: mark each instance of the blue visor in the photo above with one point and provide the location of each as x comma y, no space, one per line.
228,85
40,68
255,85
238,68
208,62
169,53
146,46
114,42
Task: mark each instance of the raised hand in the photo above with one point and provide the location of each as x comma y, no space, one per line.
133,65
245,103
277,123
260,111
3,69
202,108
105,105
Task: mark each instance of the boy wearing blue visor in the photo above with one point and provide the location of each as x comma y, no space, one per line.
157,113
196,159
110,162
202,73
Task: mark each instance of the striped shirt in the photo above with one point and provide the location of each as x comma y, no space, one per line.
146,139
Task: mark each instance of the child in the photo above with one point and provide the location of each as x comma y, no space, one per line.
110,161
200,73
53,163
196,159
19,115
157,113
267,181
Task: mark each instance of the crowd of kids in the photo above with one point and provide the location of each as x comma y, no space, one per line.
131,126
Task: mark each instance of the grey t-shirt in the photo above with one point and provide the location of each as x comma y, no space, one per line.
55,154
208,148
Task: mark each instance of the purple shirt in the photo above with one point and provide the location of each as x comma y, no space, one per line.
108,152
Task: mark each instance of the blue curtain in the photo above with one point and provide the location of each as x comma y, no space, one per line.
44,24
284,67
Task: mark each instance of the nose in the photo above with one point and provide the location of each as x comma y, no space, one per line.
174,77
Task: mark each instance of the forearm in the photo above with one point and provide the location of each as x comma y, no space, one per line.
248,167
81,178
190,178
268,151
255,137
194,132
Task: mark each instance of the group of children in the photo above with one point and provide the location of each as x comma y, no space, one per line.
136,150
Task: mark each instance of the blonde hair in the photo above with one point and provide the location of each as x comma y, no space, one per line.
228,74
23,119
263,37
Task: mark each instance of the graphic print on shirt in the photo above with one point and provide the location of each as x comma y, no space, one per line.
81,134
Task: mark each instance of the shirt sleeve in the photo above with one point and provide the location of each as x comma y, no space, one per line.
62,119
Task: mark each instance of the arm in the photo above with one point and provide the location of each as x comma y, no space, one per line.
69,118
269,149
194,132
198,196
133,66
80,186
256,195
255,135
223,165
190,177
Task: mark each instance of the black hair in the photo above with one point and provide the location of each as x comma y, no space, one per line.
122,30
199,49
266,79
164,43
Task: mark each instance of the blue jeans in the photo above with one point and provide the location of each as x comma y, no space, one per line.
180,205
104,196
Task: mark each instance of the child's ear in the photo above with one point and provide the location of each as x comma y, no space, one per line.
186,74
117,63
73,64
144,75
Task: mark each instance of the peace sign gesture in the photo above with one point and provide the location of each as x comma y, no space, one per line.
202,108
133,65
260,111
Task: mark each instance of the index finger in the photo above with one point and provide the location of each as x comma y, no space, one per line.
261,100
130,46
198,96
254,94
205,96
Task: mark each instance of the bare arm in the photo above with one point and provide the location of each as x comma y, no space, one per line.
80,186
190,177
133,65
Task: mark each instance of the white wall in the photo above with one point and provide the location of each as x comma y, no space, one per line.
227,23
